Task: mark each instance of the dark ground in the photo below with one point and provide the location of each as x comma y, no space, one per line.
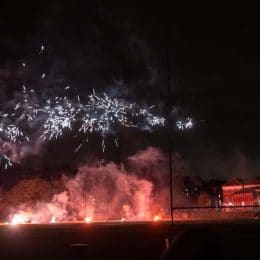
125,240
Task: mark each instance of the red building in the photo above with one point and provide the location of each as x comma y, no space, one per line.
241,192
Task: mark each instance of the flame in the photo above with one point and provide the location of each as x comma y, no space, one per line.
157,218
20,218
88,219
53,219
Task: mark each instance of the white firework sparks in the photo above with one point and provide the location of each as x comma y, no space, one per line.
185,124
60,116
12,133
56,116
30,117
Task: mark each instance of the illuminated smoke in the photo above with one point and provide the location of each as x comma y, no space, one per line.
103,193
20,218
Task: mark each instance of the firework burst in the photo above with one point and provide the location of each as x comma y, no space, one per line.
58,115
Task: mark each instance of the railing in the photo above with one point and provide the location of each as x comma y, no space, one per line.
215,213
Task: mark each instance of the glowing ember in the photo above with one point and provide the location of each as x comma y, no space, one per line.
53,219
20,218
157,218
122,219
88,219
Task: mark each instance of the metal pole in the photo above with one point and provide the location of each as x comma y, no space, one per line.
169,118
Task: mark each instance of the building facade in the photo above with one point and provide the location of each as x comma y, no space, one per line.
241,193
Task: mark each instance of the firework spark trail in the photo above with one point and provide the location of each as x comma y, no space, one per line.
10,132
56,116
26,109
78,148
41,49
185,124
99,115
13,125
109,111
8,161
116,141
61,113
53,117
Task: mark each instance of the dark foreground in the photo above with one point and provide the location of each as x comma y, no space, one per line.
237,240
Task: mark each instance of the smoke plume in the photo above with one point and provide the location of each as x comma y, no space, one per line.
106,192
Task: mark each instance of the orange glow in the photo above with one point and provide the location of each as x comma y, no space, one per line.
20,218
157,218
53,219
88,219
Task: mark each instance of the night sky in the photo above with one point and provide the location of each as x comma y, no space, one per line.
122,48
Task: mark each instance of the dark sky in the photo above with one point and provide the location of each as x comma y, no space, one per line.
213,56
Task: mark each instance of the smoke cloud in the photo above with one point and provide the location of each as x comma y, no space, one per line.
106,192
